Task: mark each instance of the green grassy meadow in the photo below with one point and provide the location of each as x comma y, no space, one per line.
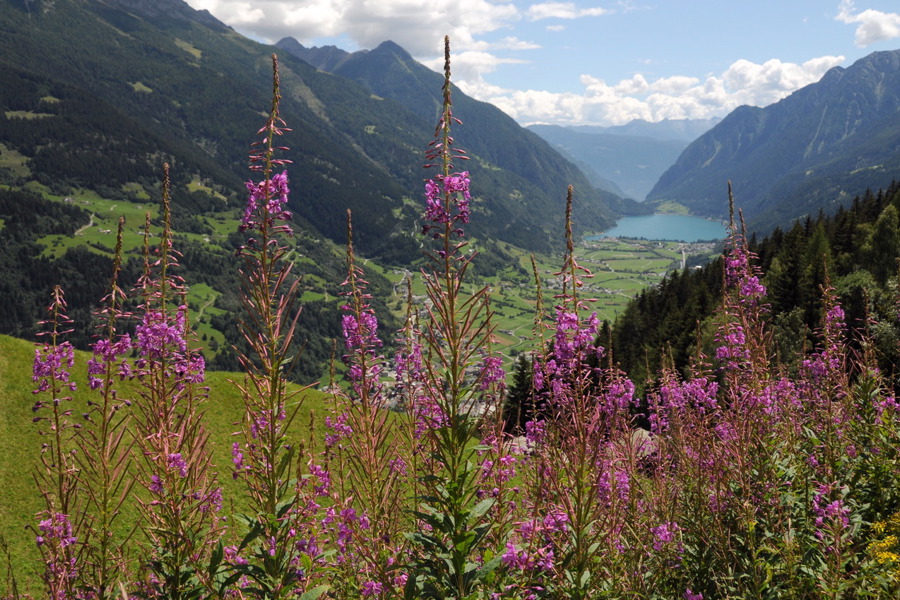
20,450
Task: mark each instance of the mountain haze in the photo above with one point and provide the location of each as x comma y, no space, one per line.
633,163
810,151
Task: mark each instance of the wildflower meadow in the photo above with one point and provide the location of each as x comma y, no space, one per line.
740,479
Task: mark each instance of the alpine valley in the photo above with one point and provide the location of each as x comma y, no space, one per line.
95,95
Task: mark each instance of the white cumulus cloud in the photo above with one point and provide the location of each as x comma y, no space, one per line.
483,38
410,23
871,25
678,97
562,10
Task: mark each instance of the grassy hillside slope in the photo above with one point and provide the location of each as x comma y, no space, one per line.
19,452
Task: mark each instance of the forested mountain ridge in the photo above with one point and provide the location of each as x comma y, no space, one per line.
186,76
855,251
813,150
490,136
96,95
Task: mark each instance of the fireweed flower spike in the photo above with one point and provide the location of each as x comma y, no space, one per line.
58,479
182,498
366,441
267,460
448,545
268,198
104,445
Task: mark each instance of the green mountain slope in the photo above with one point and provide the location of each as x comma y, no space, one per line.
186,77
95,95
811,151
504,155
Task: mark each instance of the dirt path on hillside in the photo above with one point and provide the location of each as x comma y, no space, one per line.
206,305
90,224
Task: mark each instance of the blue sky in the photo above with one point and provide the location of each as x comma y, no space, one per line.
597,62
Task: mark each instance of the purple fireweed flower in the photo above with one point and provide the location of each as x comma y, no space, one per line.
733,351
159,335
429,416
619,395
360,333
267,200
535,431
398,466
570,336
555,521
106,352
371,588
408,361
237,457
739,275
337,429
53,362
56,540
57,527
232,556
530,559
323,479
832,516
614,483
212,502
491,372
191,369
664,535
698,394
689,595
175,461
889,404
446,202
573,344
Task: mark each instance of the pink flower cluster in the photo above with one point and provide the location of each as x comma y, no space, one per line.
665,536
337,429
360,333
158,335
832,516
267,203
733,351
57,527
491,372
537,536
56,537
447,202
739,275
53,362
107,352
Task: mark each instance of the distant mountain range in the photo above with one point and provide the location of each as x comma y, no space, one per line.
811,151
95,95
626,160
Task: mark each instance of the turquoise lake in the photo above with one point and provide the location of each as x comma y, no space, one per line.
681,228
